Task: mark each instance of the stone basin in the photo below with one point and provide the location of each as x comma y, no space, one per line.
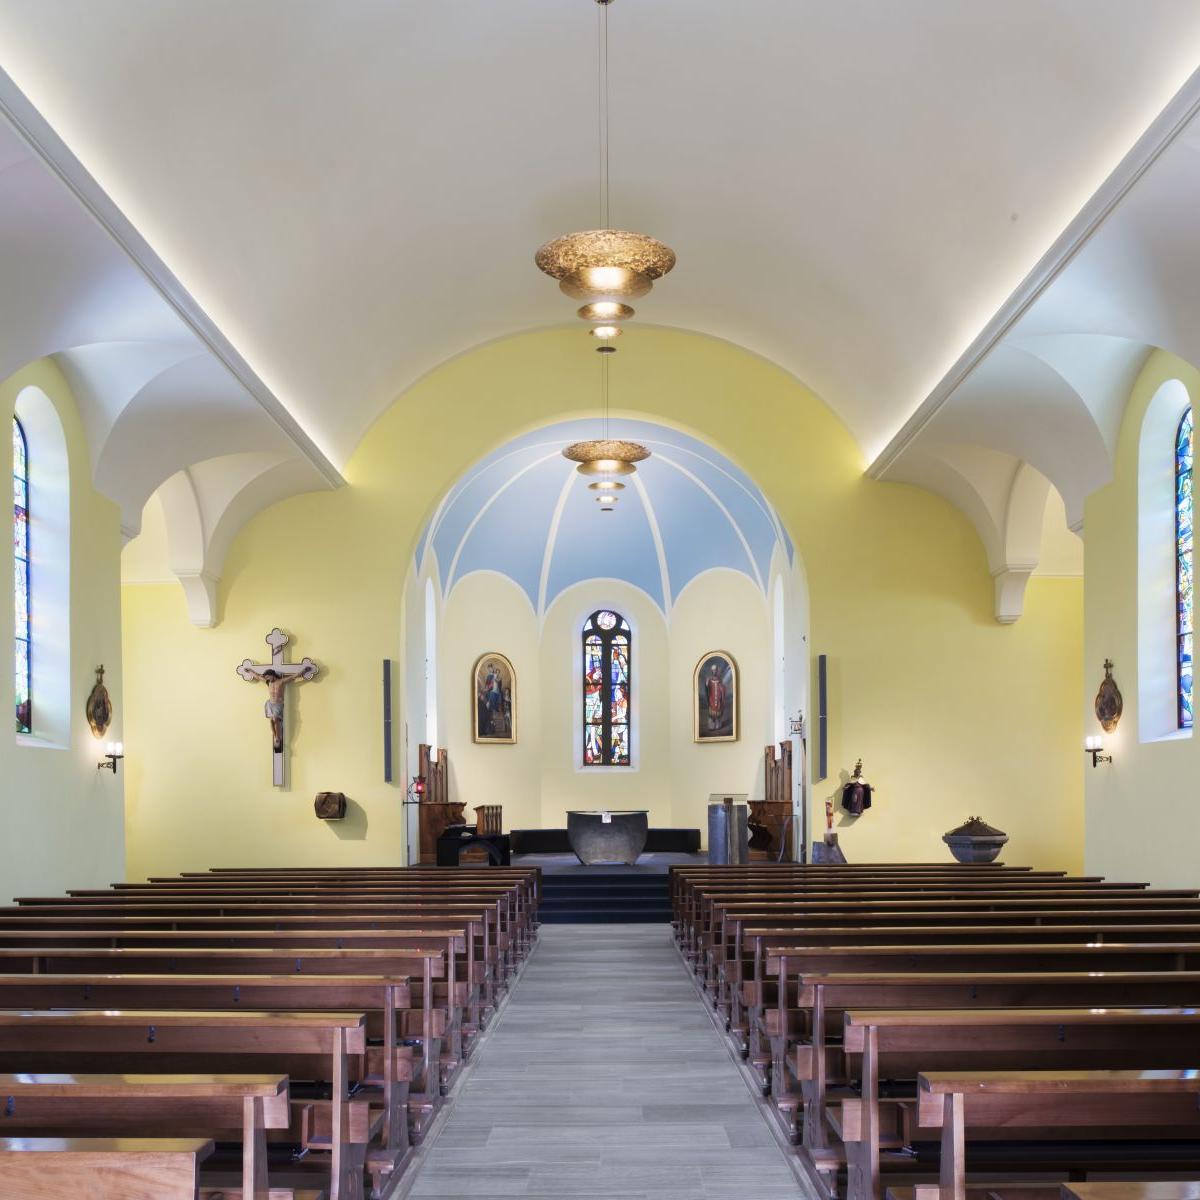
619,839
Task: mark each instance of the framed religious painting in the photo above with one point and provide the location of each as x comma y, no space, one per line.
715,698
494,700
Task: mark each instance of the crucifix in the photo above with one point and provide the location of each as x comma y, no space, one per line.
277,674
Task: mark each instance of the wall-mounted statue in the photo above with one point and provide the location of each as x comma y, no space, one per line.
277,675
1109,702
99,706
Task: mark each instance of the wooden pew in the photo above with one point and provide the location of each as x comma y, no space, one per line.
964,961
899,1044
822,1000
746,962
761,990
472,942
1099,1105
292,946
321,1046
389,1065
1126,1189
262,944
40,1105
702,932
101,1168
440,1008
502,947
687,884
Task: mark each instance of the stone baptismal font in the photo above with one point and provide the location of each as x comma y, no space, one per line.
611,836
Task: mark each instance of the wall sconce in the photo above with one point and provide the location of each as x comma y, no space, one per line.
1095,747
416,790
113,753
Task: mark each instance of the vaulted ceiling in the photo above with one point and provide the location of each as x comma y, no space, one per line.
351,193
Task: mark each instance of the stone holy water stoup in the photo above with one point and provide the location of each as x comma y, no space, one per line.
277,675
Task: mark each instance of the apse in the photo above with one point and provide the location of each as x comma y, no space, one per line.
523,512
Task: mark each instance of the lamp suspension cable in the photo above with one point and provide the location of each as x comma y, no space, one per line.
602,105
604,391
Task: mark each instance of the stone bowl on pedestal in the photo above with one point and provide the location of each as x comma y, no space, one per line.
975,841
613,836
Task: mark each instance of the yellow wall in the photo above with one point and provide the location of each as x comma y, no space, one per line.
63,820
954,714
1141,818
539,778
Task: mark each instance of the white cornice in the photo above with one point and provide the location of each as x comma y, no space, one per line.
1145,151
54,152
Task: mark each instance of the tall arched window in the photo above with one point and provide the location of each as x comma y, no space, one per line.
1183,566
23,656
607,643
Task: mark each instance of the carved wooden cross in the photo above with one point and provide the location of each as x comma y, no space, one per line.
277,675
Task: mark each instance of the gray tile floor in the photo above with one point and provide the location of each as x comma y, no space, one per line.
604,1079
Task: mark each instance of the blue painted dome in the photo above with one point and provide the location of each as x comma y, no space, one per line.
524,512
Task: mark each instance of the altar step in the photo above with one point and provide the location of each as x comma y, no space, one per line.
603,898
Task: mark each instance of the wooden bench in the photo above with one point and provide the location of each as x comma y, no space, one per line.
1094,1105
438,1017
390,1066
502,952
514,925
101,1168
1161,1189
325,1047
740,975
898,1045
473,945
39,1104
801,1050
704,931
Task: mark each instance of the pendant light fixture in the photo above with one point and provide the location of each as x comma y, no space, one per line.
605,267
606,456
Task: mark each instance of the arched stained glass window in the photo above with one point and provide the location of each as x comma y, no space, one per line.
1183,566
21,576
607,645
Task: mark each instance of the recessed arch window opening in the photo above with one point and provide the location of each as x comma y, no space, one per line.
431,668
607,644
1184,603
21,575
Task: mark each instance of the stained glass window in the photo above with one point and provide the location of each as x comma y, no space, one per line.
21,575
1183,565
607,642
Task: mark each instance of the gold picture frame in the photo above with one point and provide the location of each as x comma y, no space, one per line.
716,689
493,701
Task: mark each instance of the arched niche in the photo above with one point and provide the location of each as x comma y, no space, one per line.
516,556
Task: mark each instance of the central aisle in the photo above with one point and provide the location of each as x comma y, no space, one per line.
604,1078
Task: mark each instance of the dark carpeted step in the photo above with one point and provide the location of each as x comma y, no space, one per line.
596,916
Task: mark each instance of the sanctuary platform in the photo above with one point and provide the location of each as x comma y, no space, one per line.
612,894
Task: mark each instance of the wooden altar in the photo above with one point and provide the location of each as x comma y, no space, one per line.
769,820
436,812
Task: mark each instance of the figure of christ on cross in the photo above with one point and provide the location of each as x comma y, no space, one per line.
274,705
277,675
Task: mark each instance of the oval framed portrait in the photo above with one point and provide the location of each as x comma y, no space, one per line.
715,698
494,701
